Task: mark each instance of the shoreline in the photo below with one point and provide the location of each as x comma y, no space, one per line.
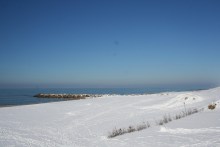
65,97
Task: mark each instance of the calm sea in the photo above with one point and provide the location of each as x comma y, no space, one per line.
13,97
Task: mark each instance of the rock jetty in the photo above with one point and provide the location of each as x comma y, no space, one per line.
66,96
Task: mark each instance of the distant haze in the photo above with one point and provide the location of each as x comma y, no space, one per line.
109,43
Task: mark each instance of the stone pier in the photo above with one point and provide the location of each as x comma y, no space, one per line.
66,96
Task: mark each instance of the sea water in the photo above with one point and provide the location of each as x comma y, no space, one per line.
13,97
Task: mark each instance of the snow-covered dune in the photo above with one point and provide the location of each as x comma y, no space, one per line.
87,123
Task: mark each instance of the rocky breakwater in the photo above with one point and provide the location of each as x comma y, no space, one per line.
66,96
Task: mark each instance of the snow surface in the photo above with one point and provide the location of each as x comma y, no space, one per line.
87,122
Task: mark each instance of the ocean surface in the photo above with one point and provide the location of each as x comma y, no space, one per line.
14,97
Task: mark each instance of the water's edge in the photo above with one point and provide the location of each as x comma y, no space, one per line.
16,97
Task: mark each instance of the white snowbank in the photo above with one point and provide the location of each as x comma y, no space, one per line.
189,131
84,123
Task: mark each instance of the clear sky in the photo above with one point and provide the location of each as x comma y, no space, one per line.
108,43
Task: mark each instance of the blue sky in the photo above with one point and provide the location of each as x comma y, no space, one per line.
110,43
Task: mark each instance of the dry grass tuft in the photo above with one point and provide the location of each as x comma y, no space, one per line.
212,106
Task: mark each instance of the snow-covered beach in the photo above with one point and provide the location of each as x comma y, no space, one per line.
88,122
